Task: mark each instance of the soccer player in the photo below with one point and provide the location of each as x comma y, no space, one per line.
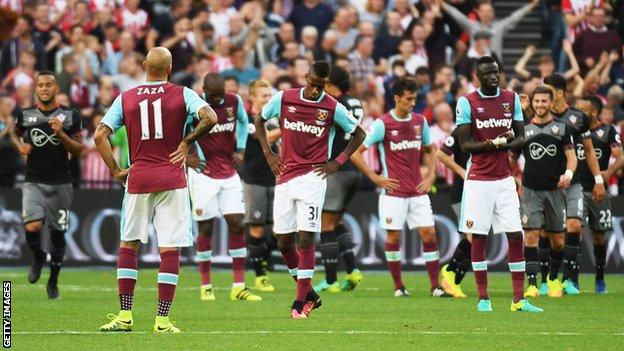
400,135
579,122
217,189
341,187
155,115
452,274
550,162
259,187
485,120
307,118
46,135
598,214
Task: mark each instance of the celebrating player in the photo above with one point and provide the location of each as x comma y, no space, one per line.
258,188
215,186
598,214
155,115
485,119
45,135
341,187
452,274
307,119
550,162
400,134
579,123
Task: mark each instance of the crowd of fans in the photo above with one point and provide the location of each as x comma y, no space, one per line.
97,47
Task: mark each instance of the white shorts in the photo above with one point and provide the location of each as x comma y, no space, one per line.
490,203
169,211
394,211
211,197
298,204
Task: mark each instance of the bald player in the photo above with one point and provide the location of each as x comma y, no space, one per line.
155,115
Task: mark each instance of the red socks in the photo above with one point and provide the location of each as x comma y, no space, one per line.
167,280
432,262
479,264
307,261
291,259
393,257
238,251
204,257
516,267
127,274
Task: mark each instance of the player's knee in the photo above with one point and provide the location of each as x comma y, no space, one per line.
285,243
598,238
531,239
167,249
514,236
257,231
133,245
306,240
34,226
236,228
557,241
427,234
394,238
574,226
205,228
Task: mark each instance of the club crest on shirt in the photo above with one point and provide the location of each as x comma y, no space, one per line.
506,107
199,211
321,117
573,119
600,133
555,129
469,224
417,130
525,219
61,117
229,112
388,220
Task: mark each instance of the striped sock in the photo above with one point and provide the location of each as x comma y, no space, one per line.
432,262
393,257
204,258
307,261
238,251
291,258
127,274
515,257
479,264
167,280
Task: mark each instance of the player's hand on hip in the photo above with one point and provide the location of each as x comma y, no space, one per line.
179,156
326,168
425,185
237,158
195,163
564,181
274,162
386,183
599,192
26,149
56,125
121,175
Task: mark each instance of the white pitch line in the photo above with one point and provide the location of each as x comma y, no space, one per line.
327,332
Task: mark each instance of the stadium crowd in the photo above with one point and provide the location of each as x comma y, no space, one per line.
97,48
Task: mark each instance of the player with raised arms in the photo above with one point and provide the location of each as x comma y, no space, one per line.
155,115
307,118
485,120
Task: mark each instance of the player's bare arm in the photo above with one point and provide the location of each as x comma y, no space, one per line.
571,163
450,163
618,155
379,180
207,119
515,142
329,167
193,161
102,143
20,146
468,145
272,158
73,144
592,164
429,161
238,157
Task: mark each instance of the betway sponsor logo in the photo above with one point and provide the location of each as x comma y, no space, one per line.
219,128
405,145
494,123
299,126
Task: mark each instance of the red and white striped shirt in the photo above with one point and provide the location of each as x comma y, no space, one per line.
576,7
134,22
95,174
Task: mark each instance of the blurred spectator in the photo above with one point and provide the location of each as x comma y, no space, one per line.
311,13
362,65
346,34
297,69
133,19
546,65
77,16
181,44
309,38
595,39
407,12
443,117
132,72
111,64
23,74
487,21
373,12
9,158
388,37
22,39
239,70
553,26
46,33
407,55
88,63
576,13
220,14
94,173
326,50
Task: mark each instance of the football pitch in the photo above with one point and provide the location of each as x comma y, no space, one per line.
368,318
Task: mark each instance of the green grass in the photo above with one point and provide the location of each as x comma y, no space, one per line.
367,318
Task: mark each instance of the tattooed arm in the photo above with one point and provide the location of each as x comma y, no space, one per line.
102,143
207,120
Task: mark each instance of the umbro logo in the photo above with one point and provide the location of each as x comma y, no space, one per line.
480,109
394,132
292,109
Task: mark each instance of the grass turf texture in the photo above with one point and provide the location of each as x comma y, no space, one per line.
367,318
